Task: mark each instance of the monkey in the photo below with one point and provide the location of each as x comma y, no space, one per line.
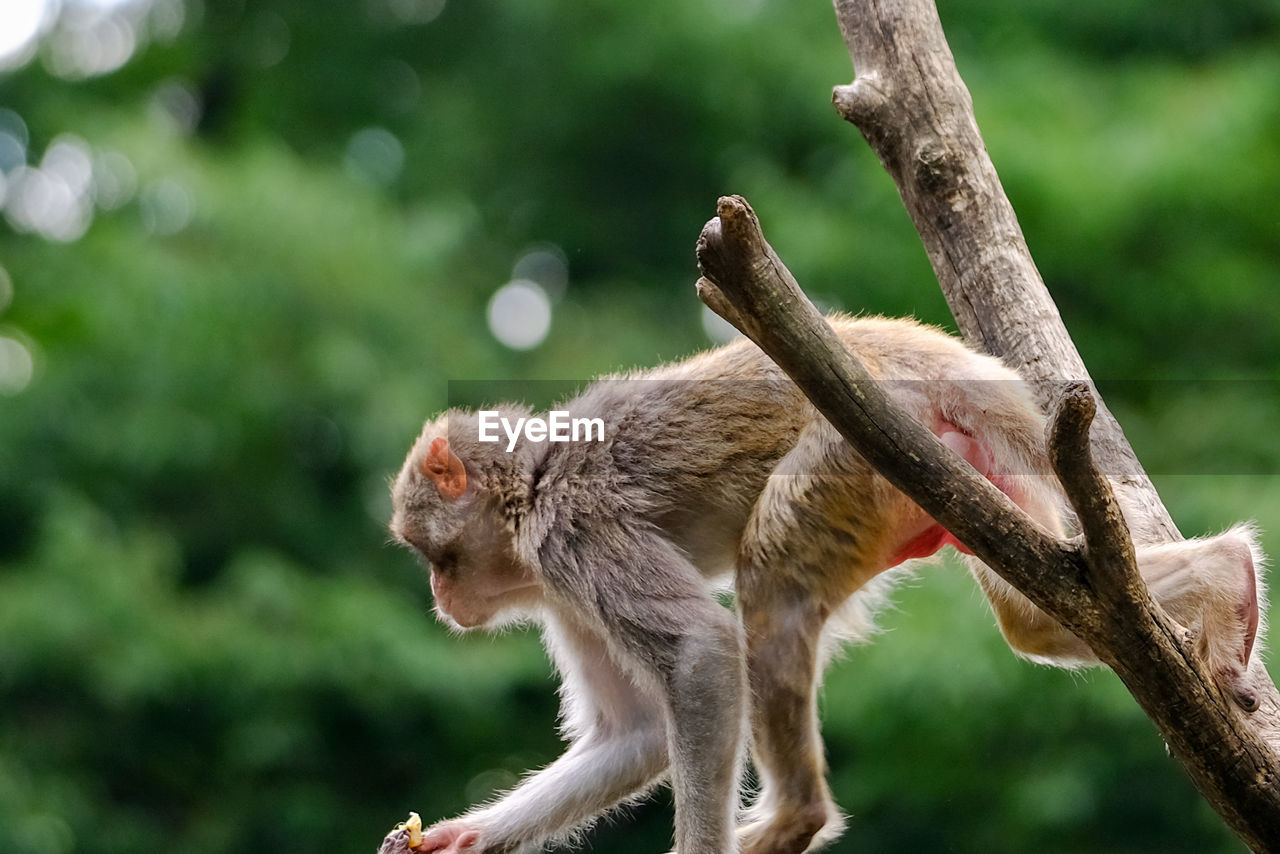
718,467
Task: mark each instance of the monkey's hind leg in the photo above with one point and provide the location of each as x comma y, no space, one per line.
800,560
794,804
1211,585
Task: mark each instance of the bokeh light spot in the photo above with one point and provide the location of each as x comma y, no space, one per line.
374,156
83,38
90,41
70,158
53,200
21,21
17,367
167,207
57,198
545,264
165,19
519,314
175,105
269,39
114,180
14,139
12,152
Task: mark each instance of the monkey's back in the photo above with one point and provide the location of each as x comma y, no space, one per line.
690,445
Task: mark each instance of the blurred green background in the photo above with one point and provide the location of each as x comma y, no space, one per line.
247,243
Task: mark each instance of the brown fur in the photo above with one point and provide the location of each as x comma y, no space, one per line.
718,464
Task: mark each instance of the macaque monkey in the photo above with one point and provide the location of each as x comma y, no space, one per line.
719,465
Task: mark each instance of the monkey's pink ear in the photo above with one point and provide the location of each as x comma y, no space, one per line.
444,469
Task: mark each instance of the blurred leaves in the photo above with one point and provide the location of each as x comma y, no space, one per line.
299,214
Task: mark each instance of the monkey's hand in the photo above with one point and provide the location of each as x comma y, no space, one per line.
403,836
458,836
449,837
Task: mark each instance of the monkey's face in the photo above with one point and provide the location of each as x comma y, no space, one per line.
478,582
476,578
444,512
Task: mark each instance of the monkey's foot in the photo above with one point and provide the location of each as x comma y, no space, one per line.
791,831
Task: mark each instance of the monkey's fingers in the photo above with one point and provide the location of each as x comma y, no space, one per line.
404,837
396,842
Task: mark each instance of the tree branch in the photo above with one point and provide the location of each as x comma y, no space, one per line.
1094,590
912,107
1110,548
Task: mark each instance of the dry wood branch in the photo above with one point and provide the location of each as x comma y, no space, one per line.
1110,548
910,103
1096,591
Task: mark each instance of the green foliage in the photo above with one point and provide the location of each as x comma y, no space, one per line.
205,640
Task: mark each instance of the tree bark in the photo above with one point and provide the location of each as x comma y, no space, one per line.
912,107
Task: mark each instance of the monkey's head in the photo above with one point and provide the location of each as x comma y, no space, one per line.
458,504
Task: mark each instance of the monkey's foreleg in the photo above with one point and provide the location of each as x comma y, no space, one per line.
618,750
706,701
684,650
597,772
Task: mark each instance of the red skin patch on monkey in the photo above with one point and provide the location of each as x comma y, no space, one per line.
934,536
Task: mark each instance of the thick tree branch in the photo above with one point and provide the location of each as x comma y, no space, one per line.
909,102
1094,590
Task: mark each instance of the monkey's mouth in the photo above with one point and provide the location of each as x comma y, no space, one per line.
464,622
488,613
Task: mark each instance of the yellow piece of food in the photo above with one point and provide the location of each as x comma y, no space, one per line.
414,826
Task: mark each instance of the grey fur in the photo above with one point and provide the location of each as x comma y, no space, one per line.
712,465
